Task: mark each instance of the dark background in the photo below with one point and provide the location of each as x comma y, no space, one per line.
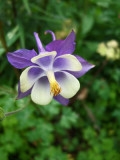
87,129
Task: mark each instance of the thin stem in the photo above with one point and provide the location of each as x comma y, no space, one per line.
91,116
18,110
2,37
13,112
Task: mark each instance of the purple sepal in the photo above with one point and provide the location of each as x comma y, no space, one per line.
61,100
85,67
53,46
66,46
22,95
21,58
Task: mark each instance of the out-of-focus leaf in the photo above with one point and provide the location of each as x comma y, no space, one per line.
12,36
47,19
3,154
2,50
87,24
2,115
21,33
68,118
92,46
102,3
26,4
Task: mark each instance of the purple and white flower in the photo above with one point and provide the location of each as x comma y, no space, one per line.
52,73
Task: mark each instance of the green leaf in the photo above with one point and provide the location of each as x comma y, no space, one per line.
87,24
21,34
26,4
12,36
2,50
68,118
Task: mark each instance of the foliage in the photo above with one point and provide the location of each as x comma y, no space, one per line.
87,129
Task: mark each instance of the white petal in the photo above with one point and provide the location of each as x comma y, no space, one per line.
67,62
68,83
41,92
44,60
29,76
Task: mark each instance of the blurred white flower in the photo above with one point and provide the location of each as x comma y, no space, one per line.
113,44
110,49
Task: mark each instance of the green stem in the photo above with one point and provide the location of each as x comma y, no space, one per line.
2,37
13,112
4,115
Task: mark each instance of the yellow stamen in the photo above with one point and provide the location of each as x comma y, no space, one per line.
55,88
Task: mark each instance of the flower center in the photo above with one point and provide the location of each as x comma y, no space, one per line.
55,88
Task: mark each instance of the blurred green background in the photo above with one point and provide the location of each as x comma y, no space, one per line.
87,129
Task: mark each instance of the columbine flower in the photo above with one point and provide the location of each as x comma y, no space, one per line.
52,73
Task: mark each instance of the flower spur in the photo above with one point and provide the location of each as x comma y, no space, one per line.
52,73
